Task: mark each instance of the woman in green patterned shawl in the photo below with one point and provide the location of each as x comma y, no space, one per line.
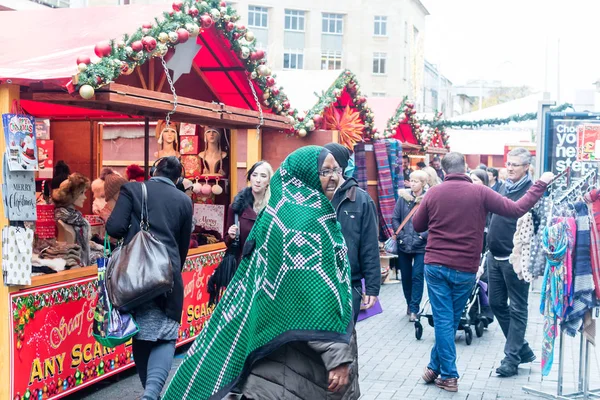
287,313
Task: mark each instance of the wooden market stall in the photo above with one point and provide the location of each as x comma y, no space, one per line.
45,326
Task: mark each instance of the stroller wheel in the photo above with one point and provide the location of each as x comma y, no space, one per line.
418,330
468,336
479,328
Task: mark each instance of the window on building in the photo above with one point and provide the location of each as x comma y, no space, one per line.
333,23
293,59
380,28
331,60
258,16
378,94
294,20
379,60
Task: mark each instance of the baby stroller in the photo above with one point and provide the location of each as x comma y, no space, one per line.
475,313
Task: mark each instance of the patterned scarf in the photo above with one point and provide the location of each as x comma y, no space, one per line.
294,286
513,187
394,149
360,162
80,225
385,188
583,282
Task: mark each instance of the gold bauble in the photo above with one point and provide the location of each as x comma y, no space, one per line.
163,37
86,91
302,132
82,67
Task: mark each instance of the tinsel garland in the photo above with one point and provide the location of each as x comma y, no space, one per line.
313,119
159,38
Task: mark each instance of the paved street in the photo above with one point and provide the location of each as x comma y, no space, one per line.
392,360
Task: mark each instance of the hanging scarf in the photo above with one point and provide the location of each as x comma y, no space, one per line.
513,187
593,198
360,162
80,225
583,282
385,188
557,239
540,213
520,257
294,286
394,150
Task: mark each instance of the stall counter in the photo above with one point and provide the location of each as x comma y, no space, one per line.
52,350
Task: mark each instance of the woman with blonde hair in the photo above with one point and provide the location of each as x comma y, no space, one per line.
411,244
433,178
249,203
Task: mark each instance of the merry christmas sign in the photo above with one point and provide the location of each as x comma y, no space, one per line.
18,192
211,217
21,147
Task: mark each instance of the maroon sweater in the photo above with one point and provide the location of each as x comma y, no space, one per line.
454,213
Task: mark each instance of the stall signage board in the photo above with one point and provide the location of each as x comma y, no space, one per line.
197,270
21,147
18,192
588,142
52,349
562,133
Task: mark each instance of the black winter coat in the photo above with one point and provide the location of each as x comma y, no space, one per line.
170,217
243,206
356,214
409,241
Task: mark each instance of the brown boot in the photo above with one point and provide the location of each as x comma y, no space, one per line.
450,384
429,375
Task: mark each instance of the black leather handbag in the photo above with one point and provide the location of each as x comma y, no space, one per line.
141,270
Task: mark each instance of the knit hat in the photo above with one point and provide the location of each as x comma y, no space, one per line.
112,185
340,153
70,189
135,173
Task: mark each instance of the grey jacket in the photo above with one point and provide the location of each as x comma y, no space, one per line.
299,371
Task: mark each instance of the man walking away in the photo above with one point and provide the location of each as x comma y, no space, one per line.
356,214
437,165
454,213
504,284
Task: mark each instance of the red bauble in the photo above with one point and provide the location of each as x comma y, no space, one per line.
236,36
286,104
300,118
223,4
206,21
103,49
182,35
147,25
149,43
193,11
318,119
137,46
83,60
230,26
270,81
241,28
275,92
170,54
177,5
98,80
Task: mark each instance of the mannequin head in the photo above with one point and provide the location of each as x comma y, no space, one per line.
72,191
212,137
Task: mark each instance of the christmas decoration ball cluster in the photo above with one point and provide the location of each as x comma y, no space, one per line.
313,119
158,39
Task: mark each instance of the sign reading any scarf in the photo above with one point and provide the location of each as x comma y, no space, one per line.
197,270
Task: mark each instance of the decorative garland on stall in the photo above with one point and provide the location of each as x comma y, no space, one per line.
313,119
404,114
158,39
436,136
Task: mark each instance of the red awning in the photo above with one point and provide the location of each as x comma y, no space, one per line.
48,53
60,112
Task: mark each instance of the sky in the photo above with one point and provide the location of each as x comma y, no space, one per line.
516,41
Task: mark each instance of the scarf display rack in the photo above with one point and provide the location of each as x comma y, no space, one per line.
574,191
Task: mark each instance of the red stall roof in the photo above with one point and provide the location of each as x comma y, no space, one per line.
59,36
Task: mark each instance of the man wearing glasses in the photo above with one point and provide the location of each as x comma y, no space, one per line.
356,214
504,284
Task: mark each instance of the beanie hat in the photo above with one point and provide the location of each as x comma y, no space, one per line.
70,189
112,185
340,153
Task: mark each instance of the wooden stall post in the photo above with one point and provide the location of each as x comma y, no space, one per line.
8,93
254,148
233,157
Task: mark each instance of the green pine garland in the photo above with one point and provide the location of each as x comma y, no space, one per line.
346,80
188,15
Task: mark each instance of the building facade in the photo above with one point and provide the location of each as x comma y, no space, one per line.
437,91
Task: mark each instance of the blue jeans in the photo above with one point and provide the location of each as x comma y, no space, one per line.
449,291
411,268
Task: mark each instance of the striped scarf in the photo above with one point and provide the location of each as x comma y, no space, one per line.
394,149
360,163
385,188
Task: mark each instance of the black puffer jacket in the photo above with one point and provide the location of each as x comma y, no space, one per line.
299,371
356,214
409,241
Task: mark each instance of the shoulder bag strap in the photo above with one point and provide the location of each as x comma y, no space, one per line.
410,214
144,219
